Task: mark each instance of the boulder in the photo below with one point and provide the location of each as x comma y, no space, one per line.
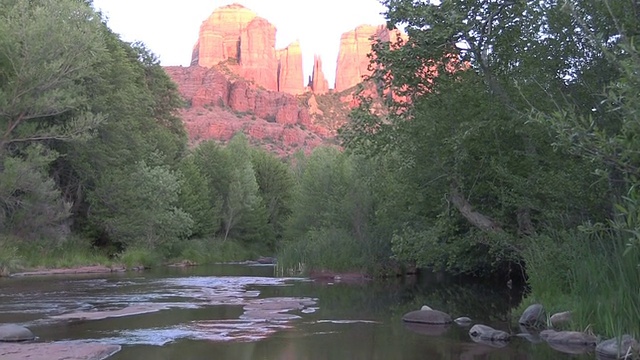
533,316
426,307
487,333
561,318
568,337
617,348
433,317
13,332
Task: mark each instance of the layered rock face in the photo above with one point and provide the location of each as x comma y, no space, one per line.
220,107
353,63
236,34
290,74
319,84
257,56
219,38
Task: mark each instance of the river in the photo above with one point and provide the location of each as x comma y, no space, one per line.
218,312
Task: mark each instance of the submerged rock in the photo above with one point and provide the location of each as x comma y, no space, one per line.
57,351
427,329
560,318
533,316
531,335
463,321
617,348
433,317
13,332
568,337
487,333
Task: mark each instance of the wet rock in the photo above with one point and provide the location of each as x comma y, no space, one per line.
617,348
427,329
487,333
425,307
533,316
463,321
568,337
55,351
561,318
433,317
13,332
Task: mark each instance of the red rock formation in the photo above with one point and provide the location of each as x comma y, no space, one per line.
319,84
290,74
221,107
220,35
258,60
353,62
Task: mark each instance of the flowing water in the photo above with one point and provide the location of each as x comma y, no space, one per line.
244,312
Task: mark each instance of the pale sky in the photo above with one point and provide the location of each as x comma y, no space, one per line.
170,28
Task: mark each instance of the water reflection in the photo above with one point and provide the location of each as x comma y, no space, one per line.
214,313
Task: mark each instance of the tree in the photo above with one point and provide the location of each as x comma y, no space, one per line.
138,207
47,49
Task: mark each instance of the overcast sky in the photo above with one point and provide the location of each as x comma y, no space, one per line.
170,28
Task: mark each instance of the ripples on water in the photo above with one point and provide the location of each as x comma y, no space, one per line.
240,312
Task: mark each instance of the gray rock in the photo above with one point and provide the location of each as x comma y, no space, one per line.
560,318
617,348
568,337
463,321
433,317
533,316
12,332
425,307
487,333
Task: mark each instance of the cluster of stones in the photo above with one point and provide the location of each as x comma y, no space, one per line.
531,322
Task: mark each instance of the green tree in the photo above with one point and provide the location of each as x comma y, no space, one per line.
47,49
197,200
138,207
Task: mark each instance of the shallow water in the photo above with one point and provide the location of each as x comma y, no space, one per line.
219,312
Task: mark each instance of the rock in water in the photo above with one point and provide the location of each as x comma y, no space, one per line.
12,332
568,337
463,321
433,317
487,333
426,307
617,348
533,316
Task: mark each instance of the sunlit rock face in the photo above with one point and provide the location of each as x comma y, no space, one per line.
355,46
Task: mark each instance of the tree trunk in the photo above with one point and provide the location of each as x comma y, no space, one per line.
476,219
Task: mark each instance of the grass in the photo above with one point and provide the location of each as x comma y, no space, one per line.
325,249
210,251
48,254
595,275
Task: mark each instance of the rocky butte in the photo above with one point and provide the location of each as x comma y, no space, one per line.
239,81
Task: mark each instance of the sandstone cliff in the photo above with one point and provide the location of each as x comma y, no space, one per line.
319,84
290,74
220,106
355,45
257,58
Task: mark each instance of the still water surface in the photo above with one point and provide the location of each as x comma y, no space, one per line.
200,313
